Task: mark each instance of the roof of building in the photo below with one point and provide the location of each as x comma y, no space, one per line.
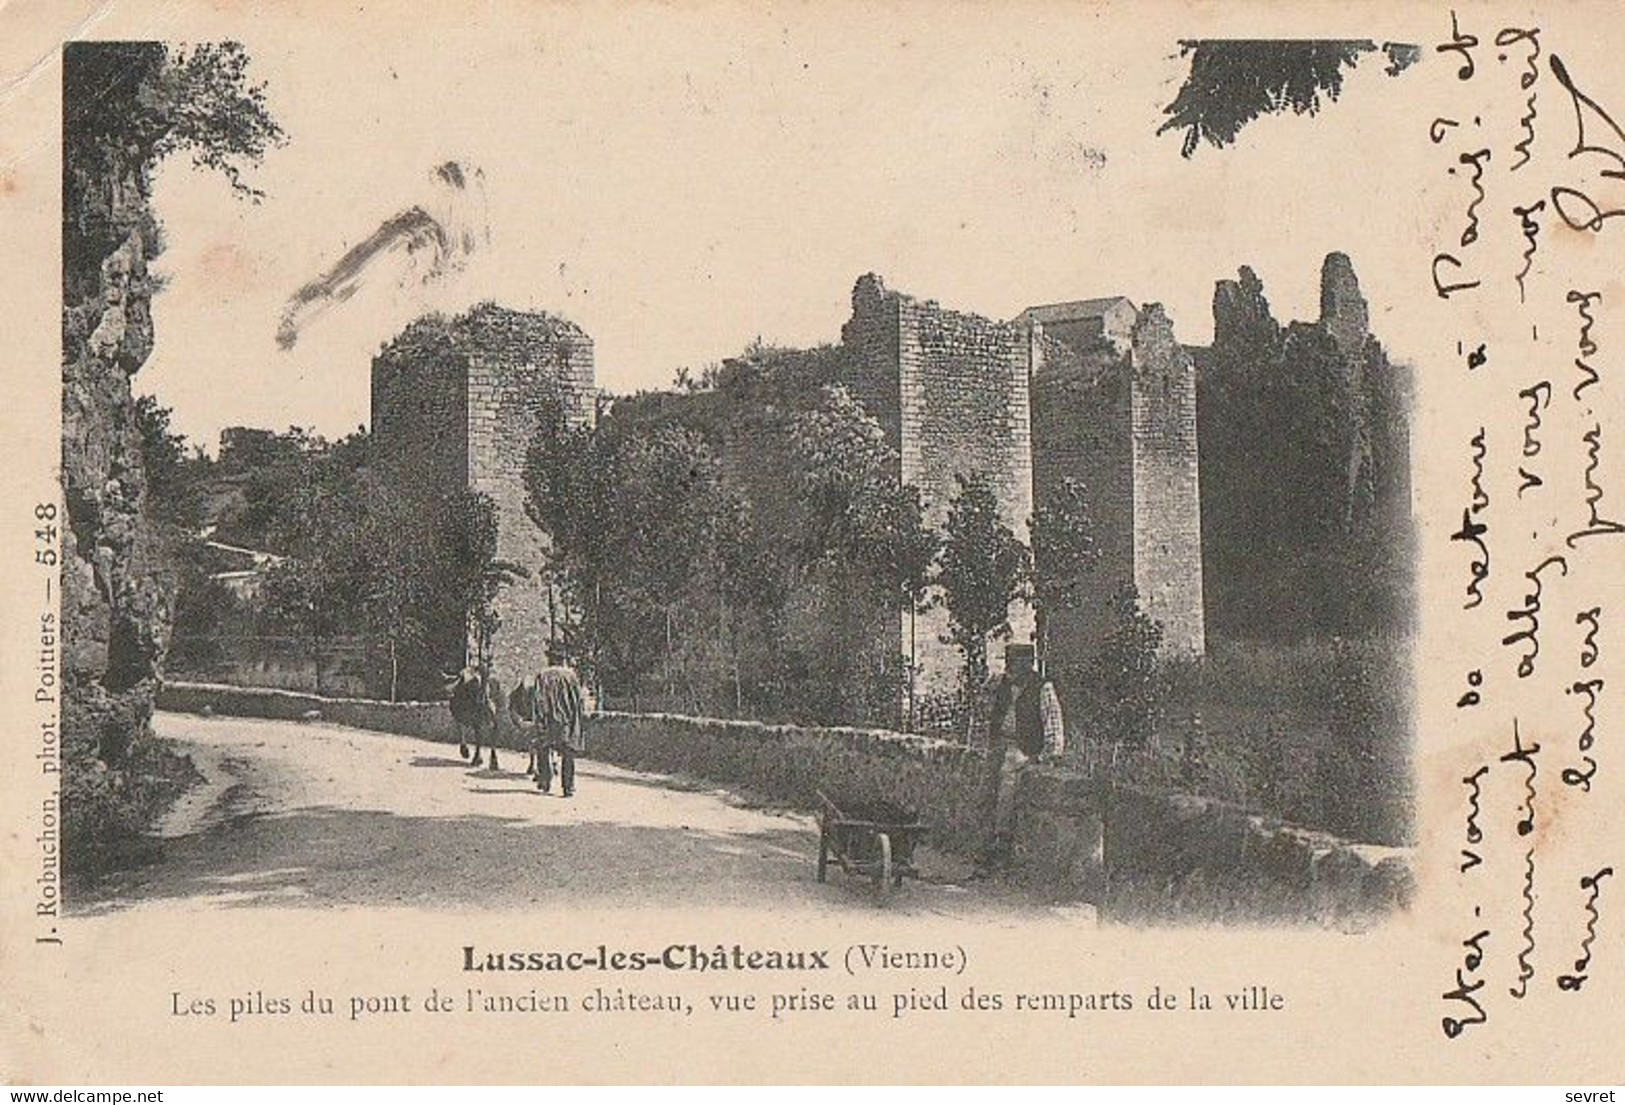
1075,311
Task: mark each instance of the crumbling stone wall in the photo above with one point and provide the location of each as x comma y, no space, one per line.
420,413
959,393
1167,500
1082,415
955,393
457,403
1123,424
951,390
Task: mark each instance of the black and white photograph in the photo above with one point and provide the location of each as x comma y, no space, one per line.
844,489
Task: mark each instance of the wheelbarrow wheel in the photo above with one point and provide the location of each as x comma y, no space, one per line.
823,852
883,869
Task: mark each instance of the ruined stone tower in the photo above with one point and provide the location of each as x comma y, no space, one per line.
951,391
456,404
1097,391
1306,465
1114,409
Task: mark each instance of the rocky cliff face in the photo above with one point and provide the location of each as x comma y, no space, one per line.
114,614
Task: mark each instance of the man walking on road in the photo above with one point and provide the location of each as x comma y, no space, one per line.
552,703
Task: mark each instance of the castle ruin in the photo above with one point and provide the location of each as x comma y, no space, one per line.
455,405
1098,392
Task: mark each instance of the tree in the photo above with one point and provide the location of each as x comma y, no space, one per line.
843,465
174,474
315,592
748,580
900,551
569,494
398,584
1125,680
633,515
1233,82
471,572
1063,553
983,566
129,105
202,614
296,599
864,528
668,498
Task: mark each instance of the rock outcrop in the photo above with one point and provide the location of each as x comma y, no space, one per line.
114,614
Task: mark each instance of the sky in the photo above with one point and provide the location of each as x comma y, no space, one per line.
680,180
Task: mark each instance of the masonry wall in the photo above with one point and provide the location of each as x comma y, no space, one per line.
420,444
873,339
1114,326
951,389
456,404
1167,506
420,416
523,367
1082,416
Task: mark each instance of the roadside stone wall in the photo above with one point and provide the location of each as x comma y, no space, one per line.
1075,834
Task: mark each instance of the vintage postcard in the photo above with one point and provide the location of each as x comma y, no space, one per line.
752,542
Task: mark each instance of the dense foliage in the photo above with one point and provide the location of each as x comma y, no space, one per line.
710,588
126,107
1305,490
1234,81
982,571
367,593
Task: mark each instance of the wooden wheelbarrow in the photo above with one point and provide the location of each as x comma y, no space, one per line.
873,839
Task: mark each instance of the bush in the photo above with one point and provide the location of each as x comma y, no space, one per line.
945,716
101,822
1317,732
1164,763
107,812
1125,689
1366,778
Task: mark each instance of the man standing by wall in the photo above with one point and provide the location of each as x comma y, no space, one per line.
1016,737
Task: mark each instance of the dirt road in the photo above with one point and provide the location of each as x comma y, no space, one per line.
311,815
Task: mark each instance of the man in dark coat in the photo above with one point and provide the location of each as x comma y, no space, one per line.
551,703
1015,738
